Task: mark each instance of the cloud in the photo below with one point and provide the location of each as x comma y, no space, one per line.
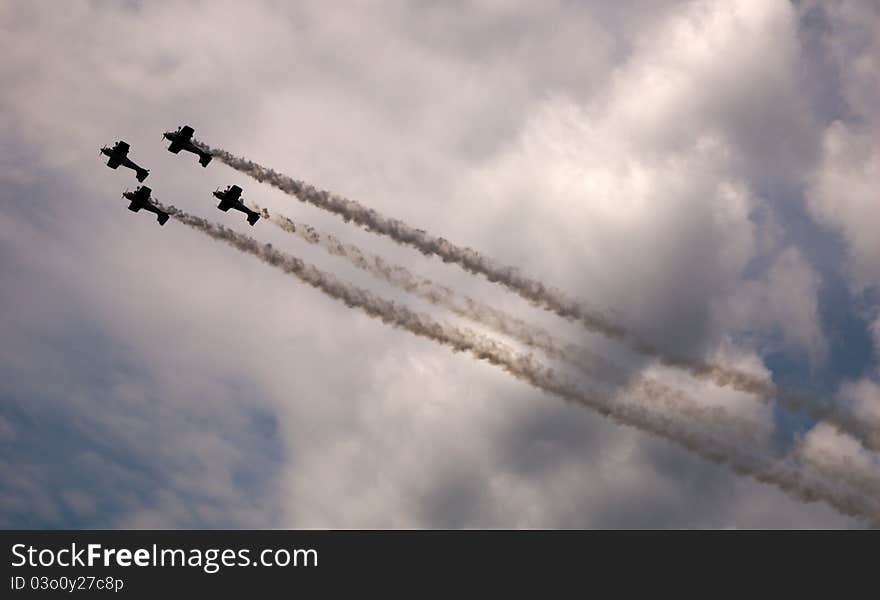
656,176
783,302
843,194
863,396
620,154
829,451
842,190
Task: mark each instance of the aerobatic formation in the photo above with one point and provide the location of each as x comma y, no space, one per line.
141,198
849,482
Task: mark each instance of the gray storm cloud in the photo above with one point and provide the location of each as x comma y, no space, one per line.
544,296
849,493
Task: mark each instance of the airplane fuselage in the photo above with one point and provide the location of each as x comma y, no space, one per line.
182,140
229,199
118,156
139,200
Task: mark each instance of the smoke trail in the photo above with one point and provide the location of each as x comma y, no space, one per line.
849,500
469,308
472,261
528,334
443,296
539,294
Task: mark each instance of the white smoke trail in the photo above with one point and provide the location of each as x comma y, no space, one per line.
656,417
544,296
472,261
528,334
445,297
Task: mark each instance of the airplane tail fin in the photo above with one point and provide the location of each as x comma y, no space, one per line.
253,218
162,218
142,174
204,159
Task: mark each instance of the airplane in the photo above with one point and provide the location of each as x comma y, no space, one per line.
140,198
231,198
182,140
119,156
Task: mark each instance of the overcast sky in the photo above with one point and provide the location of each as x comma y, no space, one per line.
707,170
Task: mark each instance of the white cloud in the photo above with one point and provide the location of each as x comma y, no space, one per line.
829,451
863,398
784,303
843,194
843,188
641,198
616,156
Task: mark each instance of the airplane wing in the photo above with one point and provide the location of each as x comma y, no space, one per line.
134,206
121,148
115,161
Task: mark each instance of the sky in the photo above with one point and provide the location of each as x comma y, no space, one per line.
704,170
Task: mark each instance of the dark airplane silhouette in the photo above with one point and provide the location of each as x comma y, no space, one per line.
182,140
119,156
140,198
231,198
